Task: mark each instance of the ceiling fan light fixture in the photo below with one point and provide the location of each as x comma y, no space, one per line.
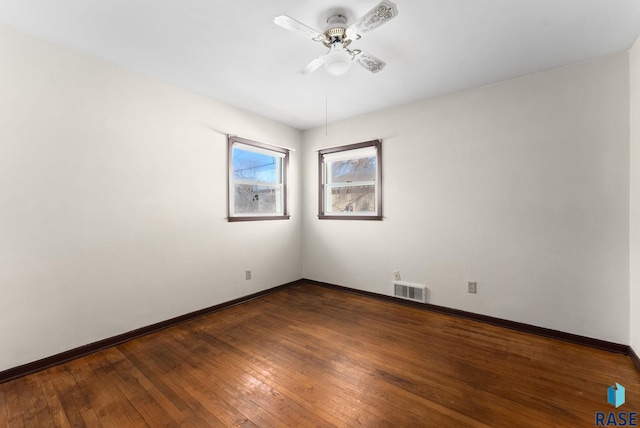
338,60
337,37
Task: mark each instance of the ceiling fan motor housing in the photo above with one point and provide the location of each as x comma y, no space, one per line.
336,31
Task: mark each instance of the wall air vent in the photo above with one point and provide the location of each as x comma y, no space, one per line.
409,291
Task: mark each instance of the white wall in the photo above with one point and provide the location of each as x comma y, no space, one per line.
635,197
113,202
521,186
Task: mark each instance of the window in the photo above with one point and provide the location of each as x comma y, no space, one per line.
257,181
350,182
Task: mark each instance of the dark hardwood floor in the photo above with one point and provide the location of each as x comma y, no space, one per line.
313,356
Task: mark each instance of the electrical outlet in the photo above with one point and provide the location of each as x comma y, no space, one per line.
247,274
472,287
396,275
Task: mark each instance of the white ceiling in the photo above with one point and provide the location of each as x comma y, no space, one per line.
233,52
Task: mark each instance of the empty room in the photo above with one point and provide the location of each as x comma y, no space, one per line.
297,214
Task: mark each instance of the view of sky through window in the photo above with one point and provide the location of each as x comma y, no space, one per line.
249,165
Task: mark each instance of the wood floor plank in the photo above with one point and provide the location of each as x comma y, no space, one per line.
74,401
291,385
3,408
58,416
33,392
245,388
26,403
271,359
112,395
209,391
198,397
14,410
112,408
172,392
314,356
244,364
170,413
311,385
350,374
347,366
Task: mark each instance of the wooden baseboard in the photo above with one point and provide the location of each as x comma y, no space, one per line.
81,351
635,358
513,325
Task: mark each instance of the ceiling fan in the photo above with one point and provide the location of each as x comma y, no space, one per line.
338,36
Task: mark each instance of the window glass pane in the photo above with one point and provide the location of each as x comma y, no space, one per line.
252,166
351,199
352,170
256,199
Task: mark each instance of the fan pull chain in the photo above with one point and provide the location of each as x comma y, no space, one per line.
326,102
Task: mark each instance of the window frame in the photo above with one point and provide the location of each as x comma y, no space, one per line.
231,215
377,144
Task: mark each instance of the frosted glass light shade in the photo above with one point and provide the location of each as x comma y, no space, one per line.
337,60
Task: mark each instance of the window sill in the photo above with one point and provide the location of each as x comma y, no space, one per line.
350,217
259,218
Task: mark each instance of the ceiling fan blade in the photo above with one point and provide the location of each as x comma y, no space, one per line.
383,12
312,66
291,24
369,62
